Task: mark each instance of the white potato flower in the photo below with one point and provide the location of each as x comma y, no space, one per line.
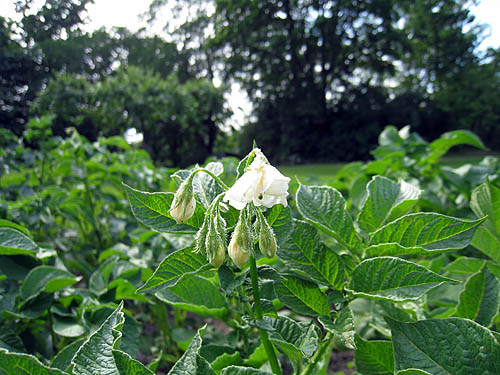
261,184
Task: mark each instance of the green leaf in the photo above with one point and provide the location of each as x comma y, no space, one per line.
465,265
95,356
9,224
393,279
296,340
325,208
126,365
116,141
67,327
63,358
422,233
302,296
131,333
342,328
220,356
152,209
46,279
403,312
494,268
480,298
304,252
245,162
386,201
237,370
191,363
15,242
228,281
374,357
175,266
440,146
257,358
487,242
33,308
485,200
280,219
196,294
451,346
9,340
20,363
205,187
99,279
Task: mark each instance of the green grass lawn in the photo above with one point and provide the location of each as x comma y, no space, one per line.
321,171
325,171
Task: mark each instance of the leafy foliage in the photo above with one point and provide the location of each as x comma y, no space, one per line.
105,276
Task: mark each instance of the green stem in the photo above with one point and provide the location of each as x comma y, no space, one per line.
268,346
311,366
219,181
160,311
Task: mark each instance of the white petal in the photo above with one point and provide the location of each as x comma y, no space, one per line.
236,204
244,187
266,201
282,199
274,182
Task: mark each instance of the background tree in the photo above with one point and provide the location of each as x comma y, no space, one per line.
20,79
179,122
325,76
106,82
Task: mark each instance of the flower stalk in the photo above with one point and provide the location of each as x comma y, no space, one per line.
264,337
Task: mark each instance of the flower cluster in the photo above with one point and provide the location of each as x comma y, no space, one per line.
260,185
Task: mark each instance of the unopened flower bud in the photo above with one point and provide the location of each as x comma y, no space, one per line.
241,243
219,256
267,240
215,242
184,204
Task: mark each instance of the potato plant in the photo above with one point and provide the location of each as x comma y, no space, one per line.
237,277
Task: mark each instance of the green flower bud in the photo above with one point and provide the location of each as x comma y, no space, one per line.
241,243
215,242
184,204
219,256
267,240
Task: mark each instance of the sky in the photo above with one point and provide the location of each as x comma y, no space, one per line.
109,13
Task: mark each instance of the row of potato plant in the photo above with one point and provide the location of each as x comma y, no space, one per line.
270,283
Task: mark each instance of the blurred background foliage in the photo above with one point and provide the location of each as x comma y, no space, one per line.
324,77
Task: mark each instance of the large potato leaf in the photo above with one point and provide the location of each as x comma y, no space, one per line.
422,233
196,294
175,266
325,208
374,357
152,209
20,363
15,242
191,363
485,200
480,298
302,296
452,346
393,279
386,201
304,252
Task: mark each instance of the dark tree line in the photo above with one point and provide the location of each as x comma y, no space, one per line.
325,76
